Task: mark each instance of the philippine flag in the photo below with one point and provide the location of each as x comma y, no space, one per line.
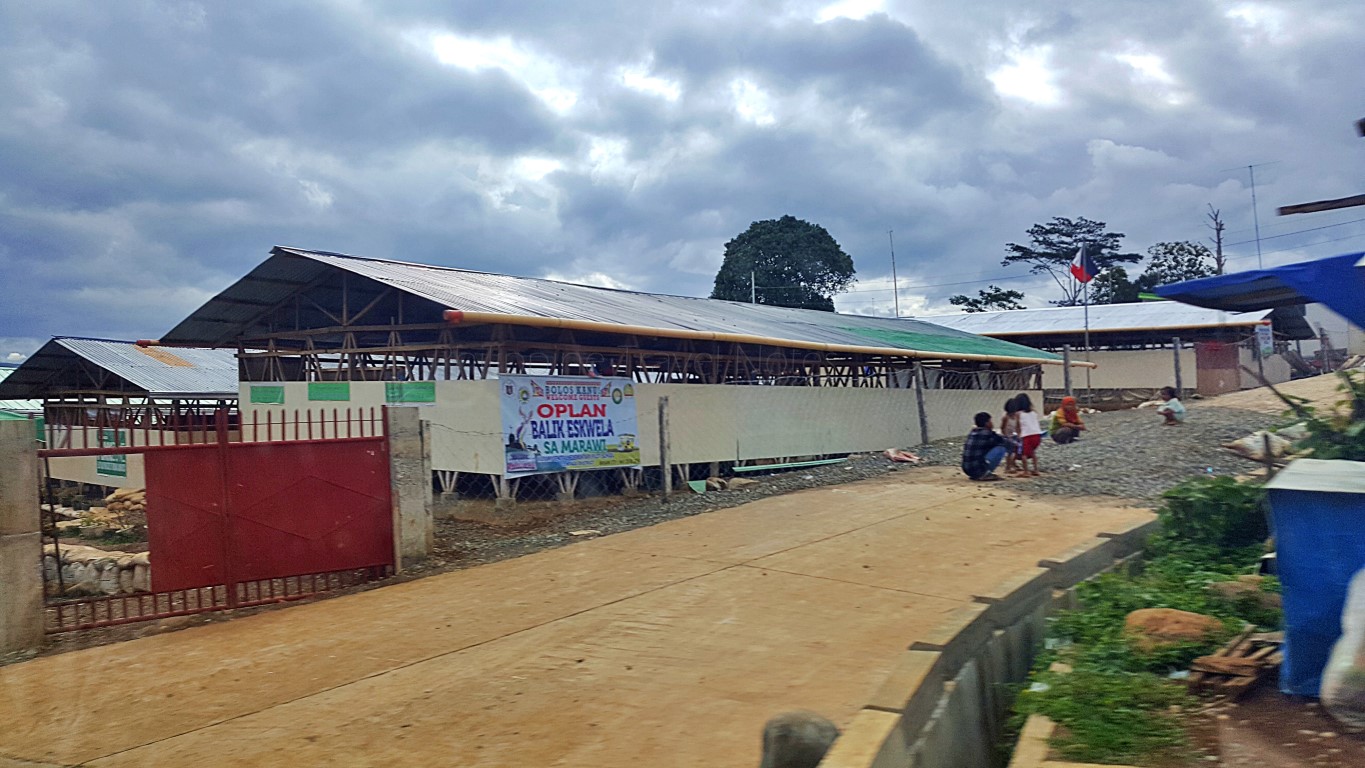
1083,268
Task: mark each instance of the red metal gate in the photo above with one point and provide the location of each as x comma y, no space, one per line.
233,521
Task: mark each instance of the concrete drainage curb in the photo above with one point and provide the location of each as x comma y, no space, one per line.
945,702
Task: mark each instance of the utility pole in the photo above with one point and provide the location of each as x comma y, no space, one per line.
753,288
1217,226
1255,217
895,284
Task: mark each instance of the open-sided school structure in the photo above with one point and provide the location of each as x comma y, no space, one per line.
745,383
1136,345
94,391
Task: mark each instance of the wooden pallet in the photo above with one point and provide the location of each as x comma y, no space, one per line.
1238,666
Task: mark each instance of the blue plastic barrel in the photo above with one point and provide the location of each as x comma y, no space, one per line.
1318,516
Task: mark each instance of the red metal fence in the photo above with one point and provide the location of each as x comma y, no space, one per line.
246,514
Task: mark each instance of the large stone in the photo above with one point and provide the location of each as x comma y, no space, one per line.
1151,628
1247,587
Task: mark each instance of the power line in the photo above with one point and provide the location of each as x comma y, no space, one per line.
1299,231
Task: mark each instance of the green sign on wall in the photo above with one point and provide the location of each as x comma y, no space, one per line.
267,395
410,392
111,466
330,390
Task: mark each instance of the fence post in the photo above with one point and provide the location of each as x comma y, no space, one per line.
220,431
1066,369
21,544
919,403
665,466
1179,385
414,533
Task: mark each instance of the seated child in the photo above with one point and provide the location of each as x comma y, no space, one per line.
1172,409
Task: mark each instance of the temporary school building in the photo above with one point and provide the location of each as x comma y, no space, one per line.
746,382
92,392
1136,345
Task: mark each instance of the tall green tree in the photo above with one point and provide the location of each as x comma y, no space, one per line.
785,262
990,299
1112,286
1175,262
1053,245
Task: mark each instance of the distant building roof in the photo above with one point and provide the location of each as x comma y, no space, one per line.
72,364
21,406
242,310
1162,316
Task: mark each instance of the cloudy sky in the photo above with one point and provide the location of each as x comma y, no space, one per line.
153,152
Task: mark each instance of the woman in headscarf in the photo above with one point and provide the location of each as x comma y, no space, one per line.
1066,422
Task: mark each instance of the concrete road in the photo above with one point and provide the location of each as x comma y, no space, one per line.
664,646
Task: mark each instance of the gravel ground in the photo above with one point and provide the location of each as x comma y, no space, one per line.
1130,453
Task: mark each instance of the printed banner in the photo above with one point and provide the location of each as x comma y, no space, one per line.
1265,340
554,423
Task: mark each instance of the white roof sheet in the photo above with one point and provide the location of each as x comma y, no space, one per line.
1147,315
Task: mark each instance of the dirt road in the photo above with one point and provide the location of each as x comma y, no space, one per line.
663,646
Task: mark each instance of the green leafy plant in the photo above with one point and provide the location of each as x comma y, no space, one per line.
1221,515
1340,432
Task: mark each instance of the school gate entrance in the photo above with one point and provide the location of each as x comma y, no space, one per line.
241,515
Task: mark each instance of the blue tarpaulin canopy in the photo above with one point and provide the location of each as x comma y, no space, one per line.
1338,282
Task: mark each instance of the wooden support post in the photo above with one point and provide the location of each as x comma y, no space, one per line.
1179,385
919,403
1066,369
665,466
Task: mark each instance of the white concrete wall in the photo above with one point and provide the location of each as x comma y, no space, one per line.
707,423
1129,369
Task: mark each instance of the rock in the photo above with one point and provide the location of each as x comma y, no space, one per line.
735,483
1247,587
1152,628
173,623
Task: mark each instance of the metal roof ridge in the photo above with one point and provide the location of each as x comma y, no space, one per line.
307,253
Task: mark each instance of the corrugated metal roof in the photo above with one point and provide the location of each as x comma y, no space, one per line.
21,406
1104,318
236,310
154,370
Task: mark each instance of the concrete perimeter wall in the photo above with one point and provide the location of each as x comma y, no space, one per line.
946,702
707,422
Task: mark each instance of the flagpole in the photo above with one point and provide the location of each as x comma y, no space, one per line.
1085,292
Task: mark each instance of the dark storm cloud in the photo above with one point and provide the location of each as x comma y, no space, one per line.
152,152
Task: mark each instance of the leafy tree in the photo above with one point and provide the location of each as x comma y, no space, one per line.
990,299
792,262
1112,286
1173,262
1053,245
